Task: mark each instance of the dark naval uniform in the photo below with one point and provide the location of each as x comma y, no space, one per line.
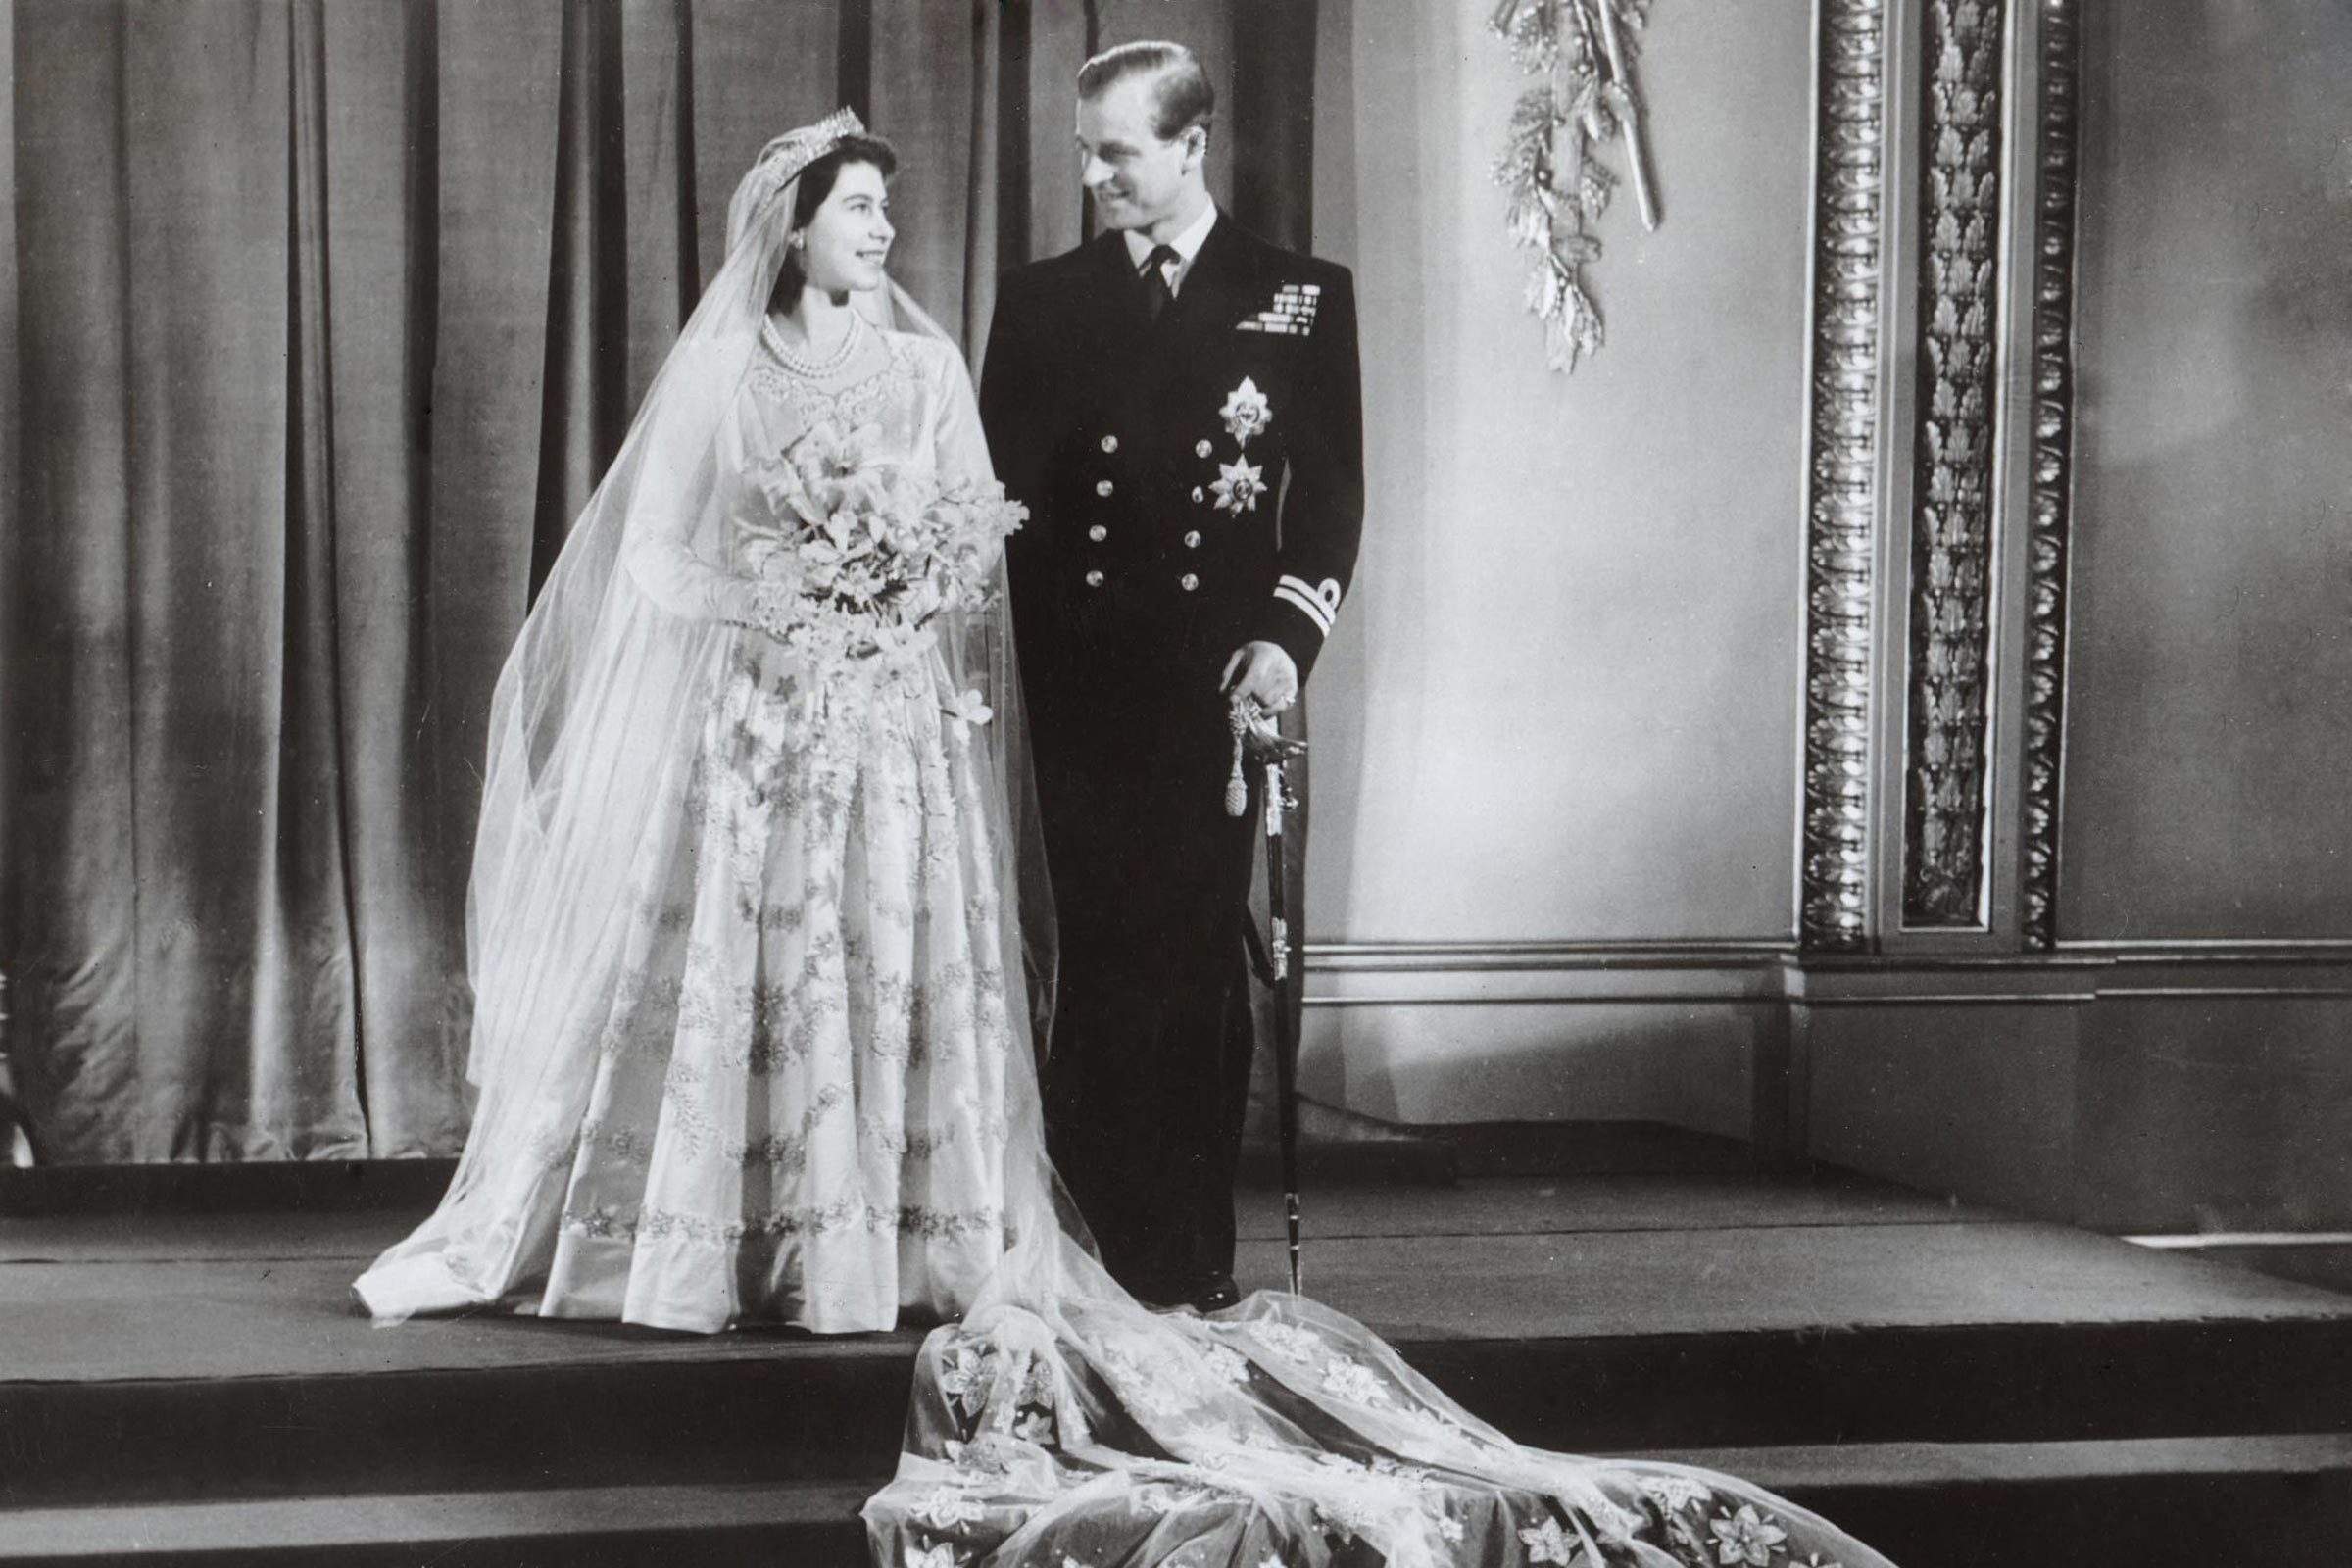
1194,482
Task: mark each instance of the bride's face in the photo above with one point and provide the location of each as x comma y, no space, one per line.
848,241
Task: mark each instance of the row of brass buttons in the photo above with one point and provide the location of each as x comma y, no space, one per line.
1191,539
1201,448
1097,534
1188,582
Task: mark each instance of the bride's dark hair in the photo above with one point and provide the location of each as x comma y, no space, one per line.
817,183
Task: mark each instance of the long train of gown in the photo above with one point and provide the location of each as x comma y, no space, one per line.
1062,1425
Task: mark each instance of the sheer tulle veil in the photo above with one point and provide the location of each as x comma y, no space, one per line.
592,738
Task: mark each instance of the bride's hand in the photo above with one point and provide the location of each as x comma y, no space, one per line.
771,606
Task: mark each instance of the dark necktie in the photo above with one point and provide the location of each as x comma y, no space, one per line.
1156,293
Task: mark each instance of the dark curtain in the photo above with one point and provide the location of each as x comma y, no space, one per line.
319,320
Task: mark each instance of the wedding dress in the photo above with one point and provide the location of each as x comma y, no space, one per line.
738,930
762,951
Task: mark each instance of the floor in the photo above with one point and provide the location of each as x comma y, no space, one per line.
115,1297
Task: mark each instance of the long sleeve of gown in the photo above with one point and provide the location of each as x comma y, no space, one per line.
681,582
668,551
959,447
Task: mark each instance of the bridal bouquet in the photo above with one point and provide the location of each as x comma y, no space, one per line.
855,558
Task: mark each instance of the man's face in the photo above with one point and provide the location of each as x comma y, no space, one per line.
1135,178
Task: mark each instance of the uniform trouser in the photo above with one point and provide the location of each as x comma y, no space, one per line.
1147,1081
1145,1100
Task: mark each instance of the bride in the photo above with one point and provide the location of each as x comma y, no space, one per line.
738,925
762,951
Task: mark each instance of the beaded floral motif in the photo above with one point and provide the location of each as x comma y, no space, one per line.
885,393
1301,1346
844,1214
1355,1382
948,1508
1227,1364
1548,1542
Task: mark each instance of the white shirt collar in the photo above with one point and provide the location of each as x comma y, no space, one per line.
1186,245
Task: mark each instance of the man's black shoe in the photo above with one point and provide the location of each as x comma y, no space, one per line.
1203,1292
1215,1293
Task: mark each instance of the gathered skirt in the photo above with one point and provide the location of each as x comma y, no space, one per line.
795,1112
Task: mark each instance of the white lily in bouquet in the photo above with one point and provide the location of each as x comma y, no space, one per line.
858,558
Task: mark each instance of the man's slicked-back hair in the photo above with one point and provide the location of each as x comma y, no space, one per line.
1182,96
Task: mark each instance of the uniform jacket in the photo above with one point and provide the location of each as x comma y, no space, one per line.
1193,483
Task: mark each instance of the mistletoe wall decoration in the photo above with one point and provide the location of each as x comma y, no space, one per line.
1582,51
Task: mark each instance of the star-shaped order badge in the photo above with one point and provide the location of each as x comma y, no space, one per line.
1245,413
1239,484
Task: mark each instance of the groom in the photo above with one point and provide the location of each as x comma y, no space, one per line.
1177,402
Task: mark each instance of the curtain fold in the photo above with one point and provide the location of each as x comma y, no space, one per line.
12,568
318,322
377,162
72,856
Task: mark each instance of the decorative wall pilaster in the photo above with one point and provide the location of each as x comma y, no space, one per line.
1945,777
2051,484
1842,472
1931,779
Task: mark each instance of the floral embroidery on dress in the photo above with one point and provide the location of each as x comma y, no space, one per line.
1548,1542
1148,1379
874,399
1745,1537
1675,1493
1227,1364
1353,1380
845,1214
963,1378
629,1145
605,1221
946,1508
1301,1346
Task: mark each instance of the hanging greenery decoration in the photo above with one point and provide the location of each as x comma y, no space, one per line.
1587,98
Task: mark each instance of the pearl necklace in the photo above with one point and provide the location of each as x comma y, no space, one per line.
815,369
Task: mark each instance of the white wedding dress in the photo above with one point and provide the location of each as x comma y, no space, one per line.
757,950
795,1110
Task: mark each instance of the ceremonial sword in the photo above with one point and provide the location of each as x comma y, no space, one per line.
1255,740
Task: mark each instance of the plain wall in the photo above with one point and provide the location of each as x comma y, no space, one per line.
2209,738
1563,698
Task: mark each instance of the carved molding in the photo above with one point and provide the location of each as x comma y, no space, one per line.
1841,479
1945,776
2049,508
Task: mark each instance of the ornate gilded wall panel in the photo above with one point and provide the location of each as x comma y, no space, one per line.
1842,489
1951,585
2049,508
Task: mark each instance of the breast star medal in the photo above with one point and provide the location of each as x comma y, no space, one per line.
1238,485
1245,413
